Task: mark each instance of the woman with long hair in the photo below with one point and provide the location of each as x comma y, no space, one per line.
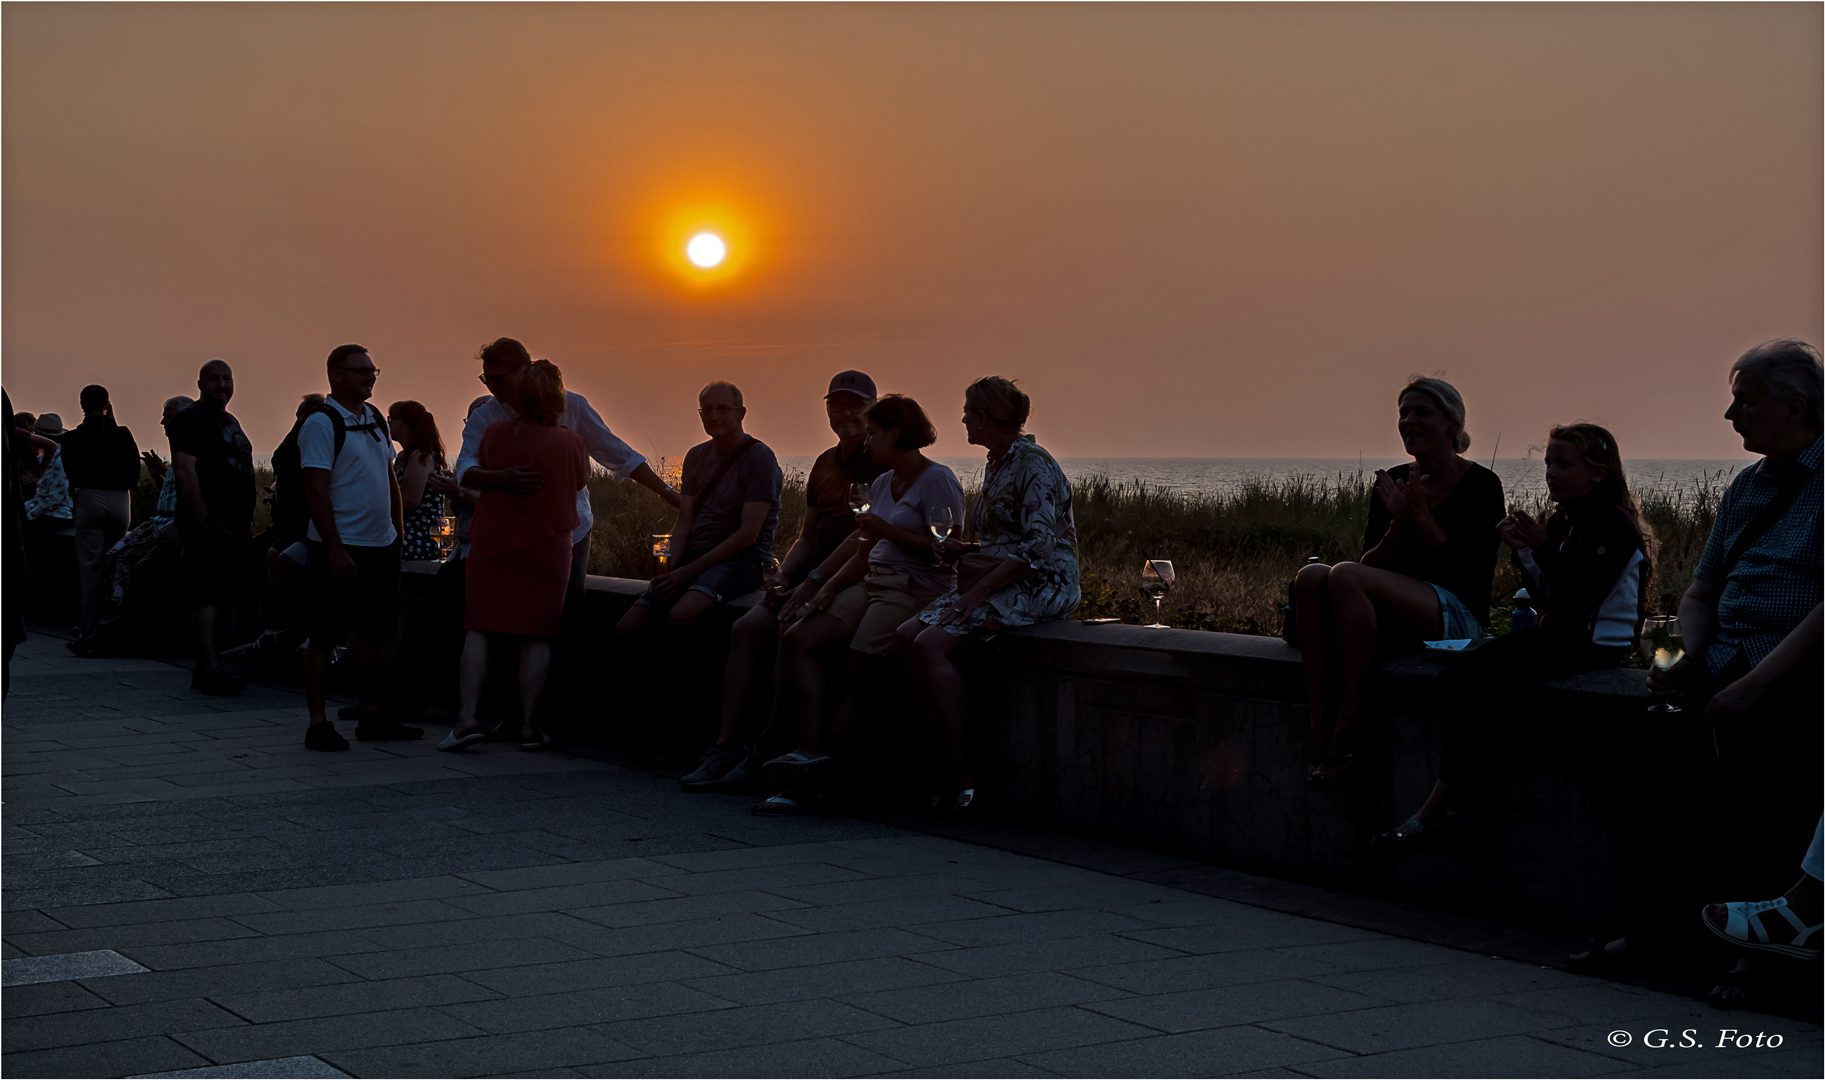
1426,568
421,455
518,565
1589,569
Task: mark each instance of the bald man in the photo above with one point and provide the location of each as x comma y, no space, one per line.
215,488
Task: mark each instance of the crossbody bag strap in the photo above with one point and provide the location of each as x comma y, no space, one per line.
1763,518
723,469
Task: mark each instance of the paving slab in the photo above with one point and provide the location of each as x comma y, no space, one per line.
392,912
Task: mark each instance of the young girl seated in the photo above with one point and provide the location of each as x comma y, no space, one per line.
1588,570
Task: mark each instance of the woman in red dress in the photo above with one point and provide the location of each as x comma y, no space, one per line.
520,545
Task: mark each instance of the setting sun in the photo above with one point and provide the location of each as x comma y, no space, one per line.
706,250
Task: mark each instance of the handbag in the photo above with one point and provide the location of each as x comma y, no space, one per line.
973,567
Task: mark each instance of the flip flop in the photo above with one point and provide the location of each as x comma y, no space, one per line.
541,743
453,742
1407,840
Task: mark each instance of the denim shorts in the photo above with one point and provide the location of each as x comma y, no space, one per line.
721,583
1455,620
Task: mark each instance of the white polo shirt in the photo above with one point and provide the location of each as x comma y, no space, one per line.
360,478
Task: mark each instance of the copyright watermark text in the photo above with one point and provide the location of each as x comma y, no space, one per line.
1690,1039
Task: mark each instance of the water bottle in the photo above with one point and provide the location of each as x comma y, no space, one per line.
1523,615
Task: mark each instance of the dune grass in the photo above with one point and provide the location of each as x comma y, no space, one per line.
1233,553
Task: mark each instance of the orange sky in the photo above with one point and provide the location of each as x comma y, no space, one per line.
1189,231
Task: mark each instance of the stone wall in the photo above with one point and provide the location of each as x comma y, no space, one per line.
1197,742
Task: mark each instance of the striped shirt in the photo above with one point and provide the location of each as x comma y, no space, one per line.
1776,582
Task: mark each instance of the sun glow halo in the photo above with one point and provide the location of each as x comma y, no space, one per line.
706,251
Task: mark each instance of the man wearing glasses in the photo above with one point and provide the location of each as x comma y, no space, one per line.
501,360
352,541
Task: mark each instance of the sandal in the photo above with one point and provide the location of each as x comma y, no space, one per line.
785,805
1333,773
1597,958
1404,841
1751,925
794,768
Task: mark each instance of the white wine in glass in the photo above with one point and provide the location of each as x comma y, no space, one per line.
859,498
446,533
1661,636
1156,582
940,520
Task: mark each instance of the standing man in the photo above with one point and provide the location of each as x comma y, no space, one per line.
352,543
101,463
754,639
215,487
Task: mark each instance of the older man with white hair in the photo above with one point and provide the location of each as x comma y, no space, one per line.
1749,682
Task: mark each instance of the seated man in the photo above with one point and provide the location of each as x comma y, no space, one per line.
723,541
1746,782
747,681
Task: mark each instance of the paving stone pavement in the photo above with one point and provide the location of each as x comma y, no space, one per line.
226,903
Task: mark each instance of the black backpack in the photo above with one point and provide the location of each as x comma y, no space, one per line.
290,512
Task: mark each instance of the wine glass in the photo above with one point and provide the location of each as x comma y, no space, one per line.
1661,634
445,532
662,554
1156,582
940,521
859,496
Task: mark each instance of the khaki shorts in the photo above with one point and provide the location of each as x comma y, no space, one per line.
874,608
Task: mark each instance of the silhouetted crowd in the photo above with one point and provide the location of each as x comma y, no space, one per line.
894,576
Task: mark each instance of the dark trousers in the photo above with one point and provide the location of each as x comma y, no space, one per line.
1481,691
1707,814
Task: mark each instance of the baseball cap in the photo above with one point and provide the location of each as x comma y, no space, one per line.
851,382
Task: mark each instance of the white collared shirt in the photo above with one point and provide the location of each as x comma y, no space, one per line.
608,451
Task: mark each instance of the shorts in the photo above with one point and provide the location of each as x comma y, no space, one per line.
874,608
215,562
721,583
1455,620
367,603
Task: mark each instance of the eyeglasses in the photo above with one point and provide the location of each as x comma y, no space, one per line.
719,410
358,370
489,380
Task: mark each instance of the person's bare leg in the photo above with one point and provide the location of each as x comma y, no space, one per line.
1806,899
753,643
203,622
1357,594
316,664
1314,652
908,632
844,717
632,622
937,649
535,665
802,664
472,675
1436,804
367,673
693,605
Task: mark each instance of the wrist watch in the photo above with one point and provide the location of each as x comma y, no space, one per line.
814,577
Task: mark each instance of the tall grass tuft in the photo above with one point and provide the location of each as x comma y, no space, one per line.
1233,553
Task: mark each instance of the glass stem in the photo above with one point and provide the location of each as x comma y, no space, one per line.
1157,601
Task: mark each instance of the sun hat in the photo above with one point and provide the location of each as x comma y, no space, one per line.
49,424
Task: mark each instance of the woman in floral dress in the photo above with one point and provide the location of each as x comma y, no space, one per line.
421,456
1023,570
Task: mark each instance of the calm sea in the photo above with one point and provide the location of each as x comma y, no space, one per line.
1212,476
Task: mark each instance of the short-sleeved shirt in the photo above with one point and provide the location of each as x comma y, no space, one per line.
827,492
1464,565
224,465
936,486
755,477
1775,583
361,477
